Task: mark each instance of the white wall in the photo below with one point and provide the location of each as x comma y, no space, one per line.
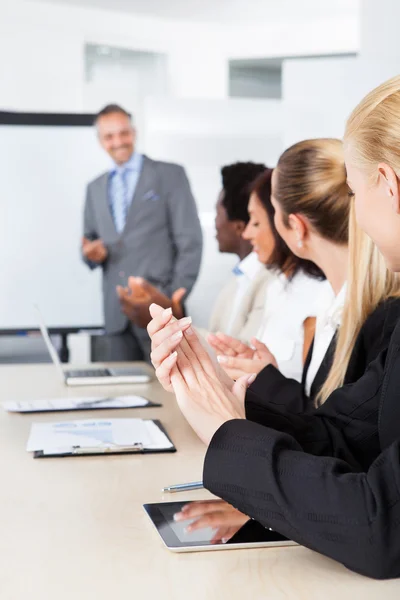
319,94
317,97
42,47
204,135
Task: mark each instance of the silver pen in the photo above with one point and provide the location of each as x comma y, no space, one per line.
184,487
89,403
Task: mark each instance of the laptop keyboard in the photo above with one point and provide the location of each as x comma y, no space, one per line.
89,373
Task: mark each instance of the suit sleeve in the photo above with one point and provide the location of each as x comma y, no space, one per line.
320,502
185,230
89,227
379,328
323,502
272,387
345,426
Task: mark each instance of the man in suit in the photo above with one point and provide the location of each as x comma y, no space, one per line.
140,219
240,304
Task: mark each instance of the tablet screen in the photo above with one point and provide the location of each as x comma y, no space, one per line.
174,535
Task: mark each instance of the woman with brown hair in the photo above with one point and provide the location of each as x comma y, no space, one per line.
310,195
290,307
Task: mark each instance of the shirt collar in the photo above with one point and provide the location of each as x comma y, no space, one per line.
133,164
333,315
249,266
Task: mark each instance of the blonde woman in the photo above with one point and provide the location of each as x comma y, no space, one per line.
330,480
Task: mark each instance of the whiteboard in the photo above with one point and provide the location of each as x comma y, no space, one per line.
44,172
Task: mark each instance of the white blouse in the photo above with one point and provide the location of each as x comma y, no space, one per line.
287,305
329,318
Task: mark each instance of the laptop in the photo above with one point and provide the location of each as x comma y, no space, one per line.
91,376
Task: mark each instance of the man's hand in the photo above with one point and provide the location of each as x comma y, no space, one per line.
94,251
137,297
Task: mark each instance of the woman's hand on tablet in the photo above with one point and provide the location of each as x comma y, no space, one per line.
217,514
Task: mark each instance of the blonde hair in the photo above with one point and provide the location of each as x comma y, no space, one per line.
369,283
311,180
372,136
373,128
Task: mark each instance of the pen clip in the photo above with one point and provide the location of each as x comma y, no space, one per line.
89,403
112,449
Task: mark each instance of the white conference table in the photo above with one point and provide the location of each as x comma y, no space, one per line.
74,528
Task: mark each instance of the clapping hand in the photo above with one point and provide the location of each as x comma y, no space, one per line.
137,297
237,358
166,335
206,401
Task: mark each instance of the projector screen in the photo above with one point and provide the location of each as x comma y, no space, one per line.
46,162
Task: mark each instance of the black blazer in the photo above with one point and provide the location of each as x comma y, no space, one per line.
272,386
329,480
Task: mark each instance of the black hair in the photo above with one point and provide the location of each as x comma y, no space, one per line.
236,183
111,109
282,258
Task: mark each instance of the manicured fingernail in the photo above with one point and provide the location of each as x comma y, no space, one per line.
189,331
222,359
167,313
251,379
186,321
177,336
224,540
178,517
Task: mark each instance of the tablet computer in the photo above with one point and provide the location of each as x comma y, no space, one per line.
176,539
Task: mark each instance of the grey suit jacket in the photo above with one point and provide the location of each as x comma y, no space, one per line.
162,239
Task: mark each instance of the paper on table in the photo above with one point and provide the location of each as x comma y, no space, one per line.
159,440
74,404
87,433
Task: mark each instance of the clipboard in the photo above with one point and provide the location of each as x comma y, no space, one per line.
82,407
111,450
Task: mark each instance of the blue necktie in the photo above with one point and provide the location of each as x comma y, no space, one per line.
120,203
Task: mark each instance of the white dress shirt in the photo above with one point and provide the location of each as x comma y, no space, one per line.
245,272
329,318
287,305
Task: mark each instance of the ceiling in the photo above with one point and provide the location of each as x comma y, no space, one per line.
227,11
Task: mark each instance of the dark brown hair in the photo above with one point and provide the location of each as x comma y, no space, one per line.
311,180
111,109
282,258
